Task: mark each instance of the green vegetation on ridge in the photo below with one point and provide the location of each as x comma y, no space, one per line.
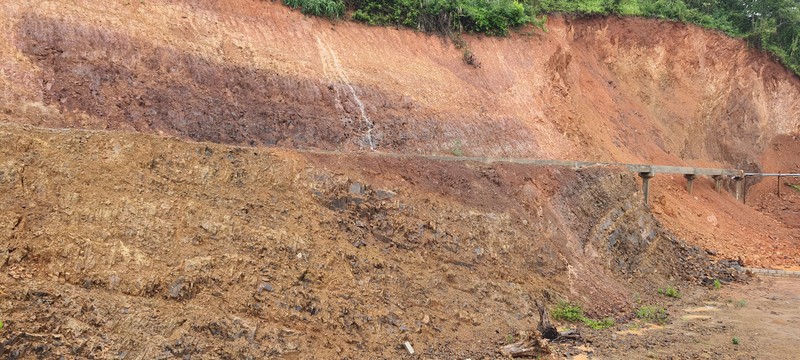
772,25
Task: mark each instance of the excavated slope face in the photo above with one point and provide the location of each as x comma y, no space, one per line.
119,244
257,73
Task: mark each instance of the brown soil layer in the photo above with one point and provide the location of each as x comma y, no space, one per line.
116,243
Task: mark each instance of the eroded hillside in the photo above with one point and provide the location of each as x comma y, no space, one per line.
258,73
156,199
154,247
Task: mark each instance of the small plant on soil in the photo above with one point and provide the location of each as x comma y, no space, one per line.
568,312
599,324
637,298
456,149
717,284
735,340
741,303
670,292
574,313
653,314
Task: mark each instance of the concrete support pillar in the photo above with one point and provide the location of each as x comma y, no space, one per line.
739,181
689,181
717,182
646,184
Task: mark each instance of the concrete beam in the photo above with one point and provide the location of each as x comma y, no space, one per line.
717,182
646,176
739,182
689,181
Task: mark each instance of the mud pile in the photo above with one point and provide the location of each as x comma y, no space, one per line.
120,244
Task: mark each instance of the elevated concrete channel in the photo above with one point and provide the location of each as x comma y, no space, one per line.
778,175
645,171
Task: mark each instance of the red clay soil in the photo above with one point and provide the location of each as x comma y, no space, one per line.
777,198
258,73
764,232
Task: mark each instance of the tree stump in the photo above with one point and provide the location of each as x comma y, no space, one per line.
546,328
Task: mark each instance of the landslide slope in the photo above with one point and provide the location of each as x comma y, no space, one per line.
258,73
124,243
131,245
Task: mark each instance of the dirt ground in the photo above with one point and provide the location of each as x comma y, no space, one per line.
762,316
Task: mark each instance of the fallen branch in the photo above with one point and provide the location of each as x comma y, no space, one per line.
531,347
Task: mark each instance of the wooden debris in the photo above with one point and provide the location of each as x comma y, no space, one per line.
409,348
570,334
546,328
533,346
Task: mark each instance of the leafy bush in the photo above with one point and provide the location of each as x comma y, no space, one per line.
629,8
574,313
772,25
568,312
653,314
493,17
326,8
670,291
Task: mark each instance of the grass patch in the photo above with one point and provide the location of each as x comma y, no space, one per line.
653,314
573,313
326,8
670,291
599,324
568,312
741,303
717,284
456,149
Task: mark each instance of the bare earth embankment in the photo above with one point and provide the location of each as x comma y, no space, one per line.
155,201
